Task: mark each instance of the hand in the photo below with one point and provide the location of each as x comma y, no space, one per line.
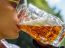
8,21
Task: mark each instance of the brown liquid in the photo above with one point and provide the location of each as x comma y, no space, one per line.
45,33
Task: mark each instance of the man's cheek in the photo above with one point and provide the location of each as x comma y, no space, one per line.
16,19
11,35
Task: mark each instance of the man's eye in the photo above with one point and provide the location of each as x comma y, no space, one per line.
14,3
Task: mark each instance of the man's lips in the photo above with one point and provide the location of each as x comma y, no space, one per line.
18,27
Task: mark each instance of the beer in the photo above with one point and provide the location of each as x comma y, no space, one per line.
44,33
42,26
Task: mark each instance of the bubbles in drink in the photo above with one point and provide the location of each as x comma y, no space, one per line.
42,26
44,33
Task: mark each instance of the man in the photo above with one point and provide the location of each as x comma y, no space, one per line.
8,21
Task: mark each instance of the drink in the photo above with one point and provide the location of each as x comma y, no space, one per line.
44,33
40,30
42,26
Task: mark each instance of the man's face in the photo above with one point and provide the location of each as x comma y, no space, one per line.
8,18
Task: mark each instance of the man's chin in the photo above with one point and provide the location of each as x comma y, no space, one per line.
12,37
